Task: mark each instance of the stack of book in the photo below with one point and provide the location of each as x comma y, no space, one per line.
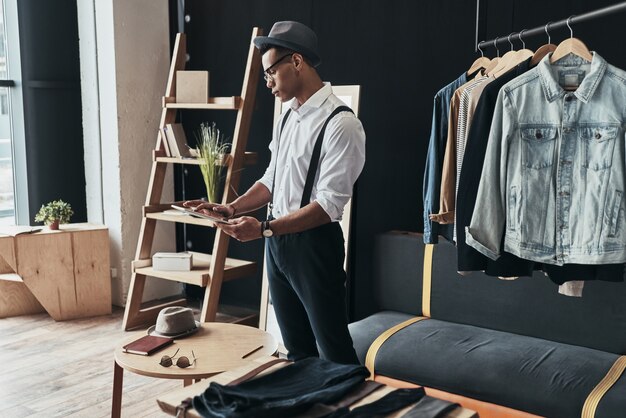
175,141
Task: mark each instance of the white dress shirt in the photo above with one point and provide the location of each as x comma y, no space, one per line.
341,159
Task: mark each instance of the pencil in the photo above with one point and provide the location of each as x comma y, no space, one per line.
252,352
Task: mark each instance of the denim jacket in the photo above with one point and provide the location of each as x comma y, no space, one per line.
553,180
434,162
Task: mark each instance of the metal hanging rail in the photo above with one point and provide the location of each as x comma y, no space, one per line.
540,30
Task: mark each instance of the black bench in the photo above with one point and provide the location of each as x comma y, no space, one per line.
516,343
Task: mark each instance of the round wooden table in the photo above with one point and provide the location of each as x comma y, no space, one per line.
218,347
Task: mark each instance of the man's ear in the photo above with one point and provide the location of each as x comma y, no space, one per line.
298,61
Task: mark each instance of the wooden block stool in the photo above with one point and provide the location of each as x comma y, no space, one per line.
66,272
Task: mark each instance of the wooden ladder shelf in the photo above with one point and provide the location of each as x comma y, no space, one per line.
209,270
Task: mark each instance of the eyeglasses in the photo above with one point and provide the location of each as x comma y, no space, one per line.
182,361
268,74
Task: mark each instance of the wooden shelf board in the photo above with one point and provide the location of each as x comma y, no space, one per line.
199,275
164,212
182,218
250,158
223,103
237,315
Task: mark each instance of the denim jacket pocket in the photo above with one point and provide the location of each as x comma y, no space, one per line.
538,146
615,209
599,142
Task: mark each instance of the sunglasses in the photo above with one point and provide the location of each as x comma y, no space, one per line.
182,361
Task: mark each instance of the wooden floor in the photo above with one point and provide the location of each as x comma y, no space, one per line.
65,369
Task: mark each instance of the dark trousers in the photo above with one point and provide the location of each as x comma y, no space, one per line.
307,285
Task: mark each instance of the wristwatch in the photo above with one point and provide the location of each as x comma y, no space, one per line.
266,230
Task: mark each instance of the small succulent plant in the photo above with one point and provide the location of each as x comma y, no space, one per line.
56,211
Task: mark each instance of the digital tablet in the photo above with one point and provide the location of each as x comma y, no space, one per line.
214,218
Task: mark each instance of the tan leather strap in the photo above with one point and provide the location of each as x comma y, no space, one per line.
426,278
252,373
181,409
594,398
370,358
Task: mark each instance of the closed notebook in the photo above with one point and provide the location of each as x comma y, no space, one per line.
147,345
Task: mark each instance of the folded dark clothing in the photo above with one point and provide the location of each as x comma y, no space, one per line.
320,410
429,407
283,393
391,402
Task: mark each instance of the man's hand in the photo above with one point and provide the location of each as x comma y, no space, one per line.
201,206
242,229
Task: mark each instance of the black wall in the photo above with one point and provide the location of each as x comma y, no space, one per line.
401,52
52,104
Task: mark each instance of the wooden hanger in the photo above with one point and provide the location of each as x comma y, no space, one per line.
494,61
511,58
493,64
524,53
571,46
543,50
478,64
503,64
521,55
504,61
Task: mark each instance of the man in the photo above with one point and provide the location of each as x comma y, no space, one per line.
307,192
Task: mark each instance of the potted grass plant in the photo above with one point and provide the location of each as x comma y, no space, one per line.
211,151
54,213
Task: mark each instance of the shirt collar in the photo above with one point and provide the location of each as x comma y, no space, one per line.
553,90
315,101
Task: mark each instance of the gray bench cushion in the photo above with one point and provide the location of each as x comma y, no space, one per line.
530,374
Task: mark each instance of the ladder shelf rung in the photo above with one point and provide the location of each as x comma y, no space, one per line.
183,219
200,271
219,103
250,158
165,212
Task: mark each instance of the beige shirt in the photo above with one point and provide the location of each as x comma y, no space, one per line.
458,126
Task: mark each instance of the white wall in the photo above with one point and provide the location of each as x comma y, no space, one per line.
124,66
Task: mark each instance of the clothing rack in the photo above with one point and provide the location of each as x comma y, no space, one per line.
605,11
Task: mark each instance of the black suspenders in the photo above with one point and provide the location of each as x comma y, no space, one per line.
315,157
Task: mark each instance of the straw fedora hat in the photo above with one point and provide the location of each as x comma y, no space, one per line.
174,322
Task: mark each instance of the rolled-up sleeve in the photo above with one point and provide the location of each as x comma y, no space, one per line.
268,178
341,162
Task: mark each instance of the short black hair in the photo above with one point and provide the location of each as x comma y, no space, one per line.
280,50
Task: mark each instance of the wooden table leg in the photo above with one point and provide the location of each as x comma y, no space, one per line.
118,383
187,382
